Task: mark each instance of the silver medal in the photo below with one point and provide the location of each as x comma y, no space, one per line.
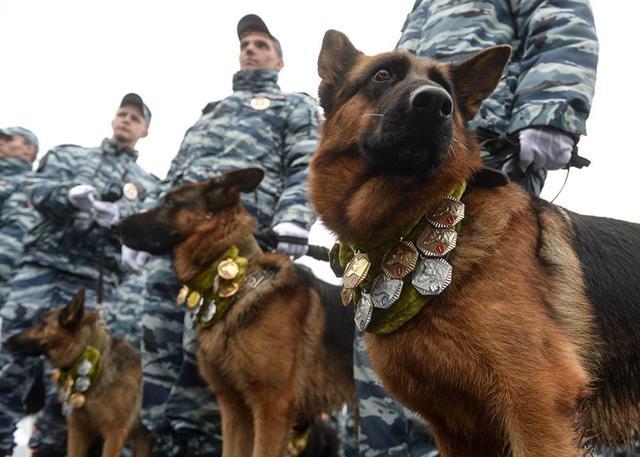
209,312
432,276
437,242
385,291
85,368
82,384
364,311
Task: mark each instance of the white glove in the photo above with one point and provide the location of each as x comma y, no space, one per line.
291,229
105,213
82,196
133,259
544,147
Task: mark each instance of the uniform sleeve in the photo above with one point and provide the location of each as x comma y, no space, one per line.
300,141
146,195
49,187
558,65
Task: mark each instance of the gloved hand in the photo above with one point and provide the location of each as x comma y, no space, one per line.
105,213
132,258
544,147
82,196
291,229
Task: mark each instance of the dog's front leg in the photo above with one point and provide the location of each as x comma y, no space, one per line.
114,442
78,438
237,425
273,420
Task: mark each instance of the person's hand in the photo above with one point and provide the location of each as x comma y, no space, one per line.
544,147
133,259
82,196
291,229
105,213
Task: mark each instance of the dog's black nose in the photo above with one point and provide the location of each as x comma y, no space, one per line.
432,101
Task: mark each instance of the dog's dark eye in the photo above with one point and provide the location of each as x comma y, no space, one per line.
383,76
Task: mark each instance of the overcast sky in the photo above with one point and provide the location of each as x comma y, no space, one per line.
66,65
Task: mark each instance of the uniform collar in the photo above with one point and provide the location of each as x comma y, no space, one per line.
10,166
109,146
256,81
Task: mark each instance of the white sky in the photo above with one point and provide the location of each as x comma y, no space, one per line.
66,65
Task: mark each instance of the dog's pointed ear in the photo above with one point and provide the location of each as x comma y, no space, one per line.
337,57
475,78
71,314
246,180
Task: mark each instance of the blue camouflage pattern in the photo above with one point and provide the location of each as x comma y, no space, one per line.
68,239
386,428
280,138
62,253
17,216
550,79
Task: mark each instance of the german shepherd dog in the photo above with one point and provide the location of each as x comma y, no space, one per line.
110,408
533,349
281,354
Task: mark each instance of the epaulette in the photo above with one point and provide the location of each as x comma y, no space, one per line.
210,107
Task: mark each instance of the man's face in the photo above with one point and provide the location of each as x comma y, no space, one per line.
17,147
129,126
258,52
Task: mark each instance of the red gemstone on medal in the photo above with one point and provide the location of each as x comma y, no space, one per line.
450,220
439,249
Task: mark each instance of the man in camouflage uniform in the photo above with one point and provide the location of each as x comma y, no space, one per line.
79,193
542,103
18,150
258,125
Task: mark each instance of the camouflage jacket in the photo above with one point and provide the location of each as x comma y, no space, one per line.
67,239
551,76
16,217
256,126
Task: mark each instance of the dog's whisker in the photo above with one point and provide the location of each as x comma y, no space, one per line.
373,114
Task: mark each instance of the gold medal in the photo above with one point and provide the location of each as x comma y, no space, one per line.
55,376
181,298
228,290
356,271
130,191
437,242
400,259
193,300
260,103
347,296
228,269
448,214
77,400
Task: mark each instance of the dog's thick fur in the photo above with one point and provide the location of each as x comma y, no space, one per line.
112,408
533,350
282,353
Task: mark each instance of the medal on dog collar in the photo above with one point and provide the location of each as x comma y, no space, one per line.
347,295
385,291
356,270
85,368
437,242
82,384
432,276
448,214
181,298
364,312
77,400
208,313
400,259
260,103
228,290
194,300
228,269
130,191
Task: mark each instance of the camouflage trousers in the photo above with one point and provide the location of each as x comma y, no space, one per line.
386,427
177,404
124,310
35,290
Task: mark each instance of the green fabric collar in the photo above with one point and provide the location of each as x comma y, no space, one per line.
410,301
210,294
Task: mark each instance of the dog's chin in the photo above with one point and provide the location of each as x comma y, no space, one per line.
420,162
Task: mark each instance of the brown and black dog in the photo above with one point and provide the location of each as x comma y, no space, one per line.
281,353
109,407
533,348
